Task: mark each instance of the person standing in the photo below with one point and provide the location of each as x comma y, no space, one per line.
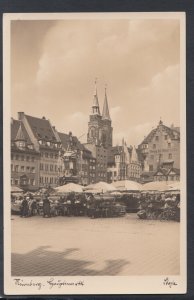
46,207
24,207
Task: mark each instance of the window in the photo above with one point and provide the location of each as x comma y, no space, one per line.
16,181
170,155
46,167
16,168
51,155
21,144
41,166
17,157
27,169
32,181
150,167
12,156
32,169
46,154
157,138
51,168
27,158
22,168
22,157
154,146
165,137
56,156
32,158
169,145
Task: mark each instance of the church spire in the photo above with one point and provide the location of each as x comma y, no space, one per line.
95,106
105,112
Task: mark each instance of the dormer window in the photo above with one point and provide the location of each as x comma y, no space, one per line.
30,147
21,144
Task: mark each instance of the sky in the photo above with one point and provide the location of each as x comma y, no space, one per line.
54,64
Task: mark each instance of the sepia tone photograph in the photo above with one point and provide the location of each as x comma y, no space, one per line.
94,114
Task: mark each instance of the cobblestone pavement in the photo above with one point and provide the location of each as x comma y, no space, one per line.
81,246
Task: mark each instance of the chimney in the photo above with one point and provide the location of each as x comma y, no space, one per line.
20,116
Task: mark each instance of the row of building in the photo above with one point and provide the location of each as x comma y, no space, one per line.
42,157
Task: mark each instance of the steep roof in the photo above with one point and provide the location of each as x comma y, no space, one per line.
173,133
41,128
18,131
65,140
166,172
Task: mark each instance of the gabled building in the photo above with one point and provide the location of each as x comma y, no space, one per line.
24,158
163,174
47,143
124,163
160,146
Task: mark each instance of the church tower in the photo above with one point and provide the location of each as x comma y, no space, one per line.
99,126
95,122
106,127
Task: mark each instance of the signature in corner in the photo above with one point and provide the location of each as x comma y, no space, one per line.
169,282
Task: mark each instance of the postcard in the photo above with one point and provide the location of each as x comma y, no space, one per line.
94,153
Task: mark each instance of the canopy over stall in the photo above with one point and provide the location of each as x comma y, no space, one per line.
16,189
68,188
101,186
156,186
127,185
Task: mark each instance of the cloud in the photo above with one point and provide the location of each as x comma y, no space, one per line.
76,123
138,59
115,113
133,135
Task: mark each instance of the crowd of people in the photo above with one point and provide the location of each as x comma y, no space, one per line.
162,206
71,204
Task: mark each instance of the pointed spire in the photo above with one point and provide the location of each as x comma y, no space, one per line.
105,112
134,155
95,106
20,135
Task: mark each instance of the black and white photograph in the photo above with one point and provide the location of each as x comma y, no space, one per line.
94,143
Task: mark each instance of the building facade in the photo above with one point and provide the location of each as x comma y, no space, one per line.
161,147
124,164
24,158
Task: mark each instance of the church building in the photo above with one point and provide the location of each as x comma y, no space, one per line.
99,137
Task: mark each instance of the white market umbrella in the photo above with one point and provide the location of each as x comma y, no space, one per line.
103,187
68,188
93,191
174,186
16,189
156,186
127,185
